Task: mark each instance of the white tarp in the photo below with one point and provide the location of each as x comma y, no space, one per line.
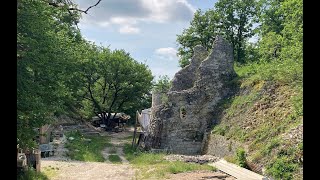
144,119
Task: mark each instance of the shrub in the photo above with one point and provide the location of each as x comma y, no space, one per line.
281,168
241,158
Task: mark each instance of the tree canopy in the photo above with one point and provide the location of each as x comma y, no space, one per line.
59,72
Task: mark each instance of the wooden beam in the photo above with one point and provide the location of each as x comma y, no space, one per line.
135,130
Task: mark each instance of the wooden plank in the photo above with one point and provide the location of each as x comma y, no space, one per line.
237,171
242,170
135,130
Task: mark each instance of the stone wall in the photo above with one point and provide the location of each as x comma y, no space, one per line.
181,124
220,146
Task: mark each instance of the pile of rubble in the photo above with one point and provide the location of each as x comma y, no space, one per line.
201,159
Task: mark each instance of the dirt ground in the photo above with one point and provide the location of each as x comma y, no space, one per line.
62,168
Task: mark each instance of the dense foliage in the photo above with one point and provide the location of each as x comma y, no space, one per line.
59,72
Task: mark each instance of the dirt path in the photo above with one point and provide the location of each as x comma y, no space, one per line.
61,167
118,140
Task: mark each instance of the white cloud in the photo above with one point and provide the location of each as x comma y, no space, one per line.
123,20
127,12
168,52
129,30
168,10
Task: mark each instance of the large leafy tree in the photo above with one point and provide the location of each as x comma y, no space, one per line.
113,82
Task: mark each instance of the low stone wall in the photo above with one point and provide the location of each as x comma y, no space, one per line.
220,146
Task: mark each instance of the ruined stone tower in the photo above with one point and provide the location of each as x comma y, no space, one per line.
180,124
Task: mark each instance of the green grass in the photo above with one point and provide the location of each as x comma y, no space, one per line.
82,150
284,72
154,166
31,174
114,158
240,102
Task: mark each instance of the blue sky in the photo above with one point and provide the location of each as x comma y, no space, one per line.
146,29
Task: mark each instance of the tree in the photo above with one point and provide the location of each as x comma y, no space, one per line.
45,41
113,82
232,19
236,22
270,18
162,85
281,30
202,31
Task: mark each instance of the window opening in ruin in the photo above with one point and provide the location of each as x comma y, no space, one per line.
183,112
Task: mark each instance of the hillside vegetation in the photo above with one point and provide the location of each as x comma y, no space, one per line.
265,116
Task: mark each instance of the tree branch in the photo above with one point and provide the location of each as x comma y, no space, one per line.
95,103
76,9
86,11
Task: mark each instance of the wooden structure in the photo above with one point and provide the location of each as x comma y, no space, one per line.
237,171
135,131
142,122
29,158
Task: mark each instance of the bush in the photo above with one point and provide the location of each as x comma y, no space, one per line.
281,168
241,158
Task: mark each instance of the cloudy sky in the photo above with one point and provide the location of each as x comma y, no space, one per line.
146,29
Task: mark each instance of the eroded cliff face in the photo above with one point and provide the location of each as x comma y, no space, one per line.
181,123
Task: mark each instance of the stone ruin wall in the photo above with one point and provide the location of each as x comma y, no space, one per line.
182,124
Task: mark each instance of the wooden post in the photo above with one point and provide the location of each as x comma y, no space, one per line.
135,130
37,154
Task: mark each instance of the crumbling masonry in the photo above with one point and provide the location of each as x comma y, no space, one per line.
180,124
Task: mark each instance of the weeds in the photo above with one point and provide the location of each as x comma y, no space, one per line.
83,150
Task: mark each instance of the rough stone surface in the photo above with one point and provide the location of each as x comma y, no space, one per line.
181,123
185,78
220,146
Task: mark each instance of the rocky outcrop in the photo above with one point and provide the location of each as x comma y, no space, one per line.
180,124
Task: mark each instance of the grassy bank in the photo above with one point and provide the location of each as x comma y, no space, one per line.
264,113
